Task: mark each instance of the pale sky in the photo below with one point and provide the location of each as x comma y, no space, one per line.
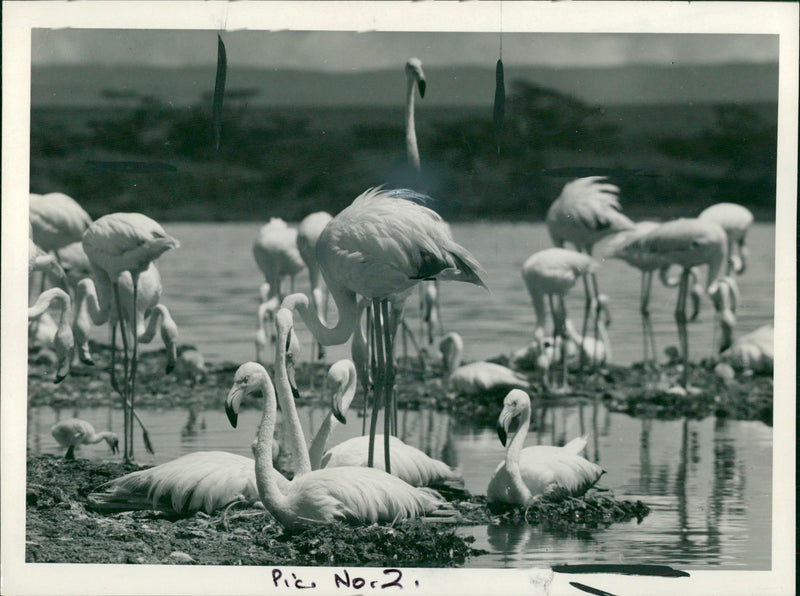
330,50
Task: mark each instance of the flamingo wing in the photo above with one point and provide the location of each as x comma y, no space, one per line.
408,463
200,481
358,494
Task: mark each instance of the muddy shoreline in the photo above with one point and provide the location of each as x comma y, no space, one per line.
632,390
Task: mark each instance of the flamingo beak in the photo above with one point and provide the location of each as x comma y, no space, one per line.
232,404
506,424
290,372
421,85
115,447
336,408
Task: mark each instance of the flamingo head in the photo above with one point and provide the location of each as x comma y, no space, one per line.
414,73
284,325
250,378
514,405
739,262
113,442
342,375
602,306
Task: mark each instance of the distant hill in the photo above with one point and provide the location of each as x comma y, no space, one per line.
80,86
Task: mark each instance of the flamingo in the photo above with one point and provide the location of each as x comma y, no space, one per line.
735,220
688,243
200,481
56,220
551,273
428,291
476,377
211,480
151,316
539,471
308,233
647,264
118,243
586,211
380,247
73,432
276,254
63,340
352,494
753,352
410,464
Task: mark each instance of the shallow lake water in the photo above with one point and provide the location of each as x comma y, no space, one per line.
211,287
708,483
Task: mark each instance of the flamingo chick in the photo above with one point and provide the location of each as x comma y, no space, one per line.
539,471
476,377
73,432
380,247
410,464
352,494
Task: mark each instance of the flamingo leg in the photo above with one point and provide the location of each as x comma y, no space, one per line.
647,325
365,383
548,380
377,390
680,318
586,315
127,418
597,308
562,330
389,398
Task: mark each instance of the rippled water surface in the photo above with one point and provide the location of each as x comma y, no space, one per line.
708,483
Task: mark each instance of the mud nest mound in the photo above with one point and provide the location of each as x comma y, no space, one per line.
60,529
594,510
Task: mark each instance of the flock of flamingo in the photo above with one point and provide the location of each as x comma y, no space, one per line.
368,259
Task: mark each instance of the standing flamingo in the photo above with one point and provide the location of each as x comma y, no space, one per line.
56,220
150,315
380,247
428,291
620,248
541,470
308,232
735,220
688,243
476,377
354,494
276,254
410,464
586,211
73,432
551,273
117,243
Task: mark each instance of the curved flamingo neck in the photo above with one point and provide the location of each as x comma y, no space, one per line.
320,441
411,133
274,500
346,305
519,490
106,435
46,298
297,440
